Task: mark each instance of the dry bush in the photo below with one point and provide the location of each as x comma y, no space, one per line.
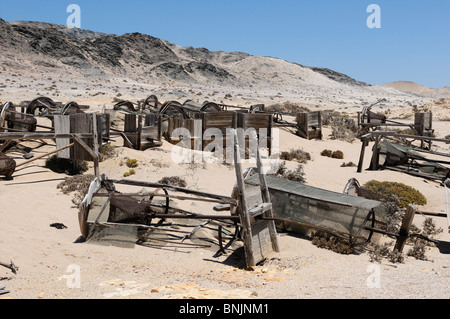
349,164
287,107
326,153
429,230
173,181
338,155
343,128
108,151
78,184
297,175
385,251
296,155
328,241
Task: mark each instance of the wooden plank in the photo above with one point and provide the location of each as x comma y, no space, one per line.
405,228
266,198
361,156
447,200
45,155
81,123
97,144
260,209
244,216
62,126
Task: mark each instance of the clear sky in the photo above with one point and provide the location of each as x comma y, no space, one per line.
413,43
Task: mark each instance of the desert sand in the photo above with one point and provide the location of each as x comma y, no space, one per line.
46,256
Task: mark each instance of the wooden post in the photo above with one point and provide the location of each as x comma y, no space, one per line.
374,164
361,158
62,126
245,218
96,150
404,230
266,199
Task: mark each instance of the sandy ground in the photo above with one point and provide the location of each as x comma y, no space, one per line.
48,257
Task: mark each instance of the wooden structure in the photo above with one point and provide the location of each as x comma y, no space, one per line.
309,125
404,152
141,131
208,127
215,123
137,213
82,133
255,210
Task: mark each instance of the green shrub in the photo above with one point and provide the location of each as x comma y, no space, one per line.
129,173
66,166
404,194
132,163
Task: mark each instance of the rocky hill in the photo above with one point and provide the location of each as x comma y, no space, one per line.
42,51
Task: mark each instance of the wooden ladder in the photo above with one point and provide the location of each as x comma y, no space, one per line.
255,210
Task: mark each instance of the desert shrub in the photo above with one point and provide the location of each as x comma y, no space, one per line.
287,107
344,128
297,175
418,251
78,184
108,151
173,181
349,164
328,241
404,194
66,166
296,155
132,163
429,230
385,251
338,155
129,173
327,153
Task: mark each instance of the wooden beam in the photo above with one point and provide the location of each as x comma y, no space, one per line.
244,215
405,228
225,199
361,157
44,155
38,135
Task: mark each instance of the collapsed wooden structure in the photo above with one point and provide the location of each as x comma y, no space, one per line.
422,126
259,204
107,214
406,159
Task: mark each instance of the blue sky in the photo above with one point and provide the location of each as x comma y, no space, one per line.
413,43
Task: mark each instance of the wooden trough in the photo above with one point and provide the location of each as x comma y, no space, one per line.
309,125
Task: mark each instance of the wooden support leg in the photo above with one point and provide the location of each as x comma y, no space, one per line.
404,230
361,157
